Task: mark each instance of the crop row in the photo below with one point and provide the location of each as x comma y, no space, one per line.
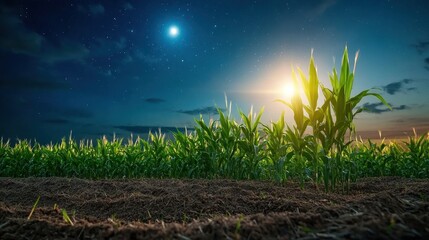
219,149
314,148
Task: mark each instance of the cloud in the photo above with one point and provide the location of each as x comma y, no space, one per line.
413,122
18,39
149,59
395,87
421,46
128,6
67,50
206,110
375,108
127,59
32,83
401,107
416,120
320,8
154,100
96,9
73,112
147,129
121,43
104,46
427,63
57,121
22,109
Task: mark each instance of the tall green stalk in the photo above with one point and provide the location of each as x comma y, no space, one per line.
329,122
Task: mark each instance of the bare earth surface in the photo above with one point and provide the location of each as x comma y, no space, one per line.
376,208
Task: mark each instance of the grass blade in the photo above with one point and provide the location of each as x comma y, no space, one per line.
34,208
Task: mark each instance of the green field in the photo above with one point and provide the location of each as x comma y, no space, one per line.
240,149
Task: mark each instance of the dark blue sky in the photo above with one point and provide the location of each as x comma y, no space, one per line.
98,67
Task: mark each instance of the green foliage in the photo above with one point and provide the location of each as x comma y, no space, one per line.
330,122
313,149
275,152
276,149
34,208
66,217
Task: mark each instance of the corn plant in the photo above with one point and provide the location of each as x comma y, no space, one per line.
277,149
329,123
295,136
227,138
66,217
186,156
418,157
314,148
343,106
250,144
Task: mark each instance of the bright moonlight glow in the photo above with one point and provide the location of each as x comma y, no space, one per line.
173,31
289,90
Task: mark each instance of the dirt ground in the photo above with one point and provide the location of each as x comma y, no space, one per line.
376,208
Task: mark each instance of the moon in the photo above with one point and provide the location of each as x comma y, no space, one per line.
173,31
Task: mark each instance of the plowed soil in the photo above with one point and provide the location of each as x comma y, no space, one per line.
375,208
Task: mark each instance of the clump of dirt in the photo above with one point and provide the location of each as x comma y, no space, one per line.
375,208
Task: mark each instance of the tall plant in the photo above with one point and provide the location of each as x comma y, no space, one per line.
295,135
329,122
343,106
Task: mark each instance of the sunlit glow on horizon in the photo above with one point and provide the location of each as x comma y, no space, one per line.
289,90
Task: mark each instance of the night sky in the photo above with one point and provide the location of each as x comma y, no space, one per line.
104,67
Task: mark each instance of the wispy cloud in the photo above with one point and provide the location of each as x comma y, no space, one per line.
65,51
320,8
128,6
154,100
413,122
376,108
32,83
421,46
147,58
127,59
427,63
19,39
73,112
94,9
147,129
57,121
395,87
206,110
16,37
104,46
25,109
